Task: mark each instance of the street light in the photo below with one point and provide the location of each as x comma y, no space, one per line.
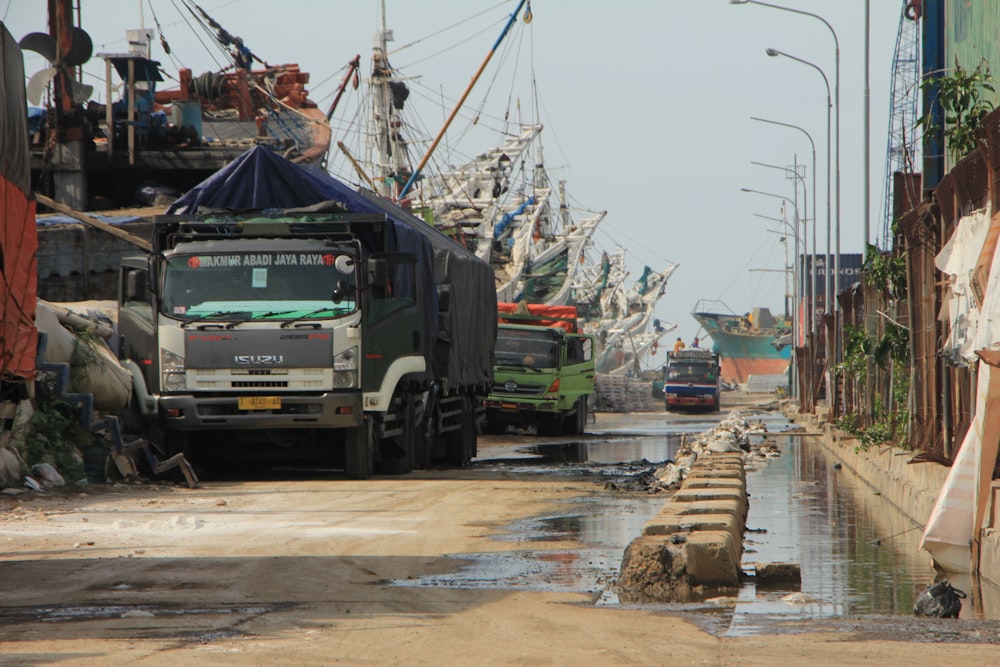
800,290
812,276
796,324
795,269
836,54
827,295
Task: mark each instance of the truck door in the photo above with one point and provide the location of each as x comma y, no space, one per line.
577,375
393,317
137,319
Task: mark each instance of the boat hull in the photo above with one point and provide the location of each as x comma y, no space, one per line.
745,352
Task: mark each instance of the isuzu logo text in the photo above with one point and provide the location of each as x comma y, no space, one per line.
258,359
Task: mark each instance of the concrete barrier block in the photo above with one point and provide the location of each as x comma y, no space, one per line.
713,483
668,523
736,496
650,570
712,559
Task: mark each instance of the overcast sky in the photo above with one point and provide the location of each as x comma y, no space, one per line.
646,106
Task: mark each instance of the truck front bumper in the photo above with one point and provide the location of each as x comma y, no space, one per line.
186,412
530,406
690,401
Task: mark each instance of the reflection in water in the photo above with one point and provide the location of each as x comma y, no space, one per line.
654,449
858,554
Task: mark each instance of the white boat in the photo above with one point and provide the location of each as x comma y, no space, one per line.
503,205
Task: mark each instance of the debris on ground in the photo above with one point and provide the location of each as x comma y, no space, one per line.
941,600
735,433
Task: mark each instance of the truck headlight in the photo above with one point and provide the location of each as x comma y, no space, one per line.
345,366
172,371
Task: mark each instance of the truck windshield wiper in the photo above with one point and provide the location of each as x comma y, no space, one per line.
212,316
273,313
288,323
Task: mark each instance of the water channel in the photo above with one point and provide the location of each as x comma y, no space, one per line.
858,556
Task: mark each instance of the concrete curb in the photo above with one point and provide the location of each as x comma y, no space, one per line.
695,542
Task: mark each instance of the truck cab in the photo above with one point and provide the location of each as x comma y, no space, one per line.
692,380
543,377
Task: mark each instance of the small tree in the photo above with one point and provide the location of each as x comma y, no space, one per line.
961,96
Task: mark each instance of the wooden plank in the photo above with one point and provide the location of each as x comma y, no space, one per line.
94,222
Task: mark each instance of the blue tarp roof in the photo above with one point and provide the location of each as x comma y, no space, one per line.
260,179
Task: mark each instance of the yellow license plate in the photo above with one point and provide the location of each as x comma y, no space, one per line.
259,402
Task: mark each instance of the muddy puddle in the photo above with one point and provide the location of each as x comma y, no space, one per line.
857,556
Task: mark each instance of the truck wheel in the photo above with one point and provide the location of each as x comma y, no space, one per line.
577,422
130,417
177,442
397,454
358,451
462,442
420,450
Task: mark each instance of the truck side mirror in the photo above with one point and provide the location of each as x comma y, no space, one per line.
343,290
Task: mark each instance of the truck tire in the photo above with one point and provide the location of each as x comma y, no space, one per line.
577,422
358,451
462,443
397,454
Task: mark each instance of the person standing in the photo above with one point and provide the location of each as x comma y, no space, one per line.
694,343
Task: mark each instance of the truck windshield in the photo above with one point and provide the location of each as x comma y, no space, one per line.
529,349
260,285
691,372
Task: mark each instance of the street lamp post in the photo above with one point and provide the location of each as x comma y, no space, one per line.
812,263
796,323
801,290
836,53
796,274
827,292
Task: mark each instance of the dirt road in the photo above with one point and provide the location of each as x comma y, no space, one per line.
300,571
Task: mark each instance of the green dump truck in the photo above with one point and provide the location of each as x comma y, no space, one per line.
543,374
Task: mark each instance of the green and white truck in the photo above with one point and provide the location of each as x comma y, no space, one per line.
543,374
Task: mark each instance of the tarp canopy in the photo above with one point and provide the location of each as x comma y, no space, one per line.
538,314
260,180
18,237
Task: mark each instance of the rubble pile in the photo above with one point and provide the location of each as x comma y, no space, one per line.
735,433
66,429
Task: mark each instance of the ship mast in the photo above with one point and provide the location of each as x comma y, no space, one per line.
392,164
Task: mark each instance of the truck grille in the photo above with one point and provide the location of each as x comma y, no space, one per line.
236,379
260,383
520,390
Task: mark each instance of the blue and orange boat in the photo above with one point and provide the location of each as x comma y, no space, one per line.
749,344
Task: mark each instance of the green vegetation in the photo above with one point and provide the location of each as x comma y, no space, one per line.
878,356
54,437
961,96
